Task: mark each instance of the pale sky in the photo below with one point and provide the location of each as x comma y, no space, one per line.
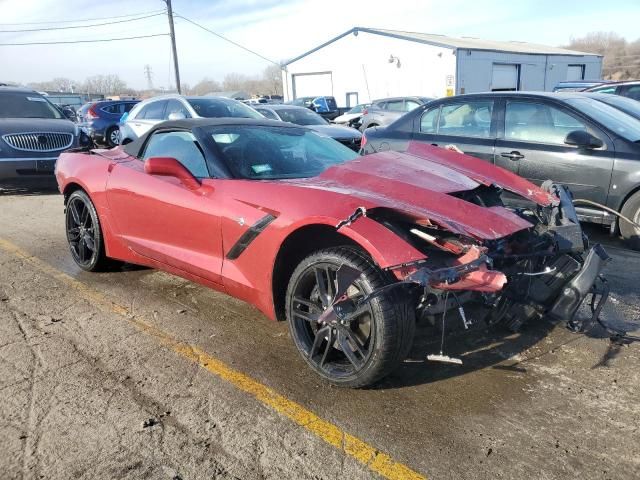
277,29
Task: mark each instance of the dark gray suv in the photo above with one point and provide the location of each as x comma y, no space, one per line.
33,132
570,138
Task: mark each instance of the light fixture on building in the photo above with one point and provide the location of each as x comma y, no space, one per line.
393,59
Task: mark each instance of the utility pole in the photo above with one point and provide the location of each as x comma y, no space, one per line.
173,45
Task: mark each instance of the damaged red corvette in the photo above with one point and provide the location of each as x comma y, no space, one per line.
350,250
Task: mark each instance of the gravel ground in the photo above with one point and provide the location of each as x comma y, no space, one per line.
85,392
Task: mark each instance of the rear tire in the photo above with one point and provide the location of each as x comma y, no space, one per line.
112,137
631,210
367,348
84,234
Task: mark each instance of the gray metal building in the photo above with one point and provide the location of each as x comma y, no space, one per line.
363,64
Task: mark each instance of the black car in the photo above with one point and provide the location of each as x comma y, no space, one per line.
33,132
100,120
349,137
570,138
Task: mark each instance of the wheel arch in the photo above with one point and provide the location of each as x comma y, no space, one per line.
296,246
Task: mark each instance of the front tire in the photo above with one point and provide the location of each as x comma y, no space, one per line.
84,234
631,210
375,339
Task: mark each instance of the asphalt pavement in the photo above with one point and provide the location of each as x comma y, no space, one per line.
135,373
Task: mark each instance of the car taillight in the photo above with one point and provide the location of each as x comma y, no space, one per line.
363,141
91,112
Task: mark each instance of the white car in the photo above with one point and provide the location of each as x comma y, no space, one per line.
352,117
150,112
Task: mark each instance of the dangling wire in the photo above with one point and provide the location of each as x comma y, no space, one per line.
444,314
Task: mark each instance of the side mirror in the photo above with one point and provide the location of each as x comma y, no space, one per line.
170,167
176,116
582,139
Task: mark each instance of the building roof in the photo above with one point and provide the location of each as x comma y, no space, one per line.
466,43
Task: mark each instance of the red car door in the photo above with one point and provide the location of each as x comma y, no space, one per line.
159,218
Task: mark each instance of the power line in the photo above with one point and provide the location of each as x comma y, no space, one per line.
81,26
226,39
84,41
81,20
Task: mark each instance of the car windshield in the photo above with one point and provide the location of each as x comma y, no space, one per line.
27,105
617,121
261,152
222,107
356,109
300,116
632,107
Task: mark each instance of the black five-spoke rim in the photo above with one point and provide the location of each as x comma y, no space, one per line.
339,344
81,232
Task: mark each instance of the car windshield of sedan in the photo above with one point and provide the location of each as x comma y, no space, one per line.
621,123
260,152
300,116
222,107
27,105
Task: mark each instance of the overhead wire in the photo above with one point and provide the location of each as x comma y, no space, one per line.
80,26
225,38
83,41
82,20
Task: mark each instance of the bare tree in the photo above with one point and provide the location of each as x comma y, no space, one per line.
272,77
59,84
204,86
621,58
104,84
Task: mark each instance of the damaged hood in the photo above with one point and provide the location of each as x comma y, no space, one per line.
421,189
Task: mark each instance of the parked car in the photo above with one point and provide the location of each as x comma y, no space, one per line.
387,110
100,120
578,85
303,116
33,132
570,138
353,116
348,249
629,88
627,105
325,106
150,112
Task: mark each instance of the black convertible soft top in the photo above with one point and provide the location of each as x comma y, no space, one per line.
135,148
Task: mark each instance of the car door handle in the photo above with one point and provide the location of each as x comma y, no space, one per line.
512,155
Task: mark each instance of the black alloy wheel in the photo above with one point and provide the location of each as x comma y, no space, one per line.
83,232
347,342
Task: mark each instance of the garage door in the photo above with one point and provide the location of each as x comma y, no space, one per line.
312,84
504,77
575,72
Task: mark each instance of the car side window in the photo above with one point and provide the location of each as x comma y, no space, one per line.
267,113
182,146
539,122
429,121
468,119
633,91
395,105
410,105
128,107
610,90
176,106
152,111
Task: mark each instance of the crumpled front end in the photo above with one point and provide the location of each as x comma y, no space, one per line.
546,269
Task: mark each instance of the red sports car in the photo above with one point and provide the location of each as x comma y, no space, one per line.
351,250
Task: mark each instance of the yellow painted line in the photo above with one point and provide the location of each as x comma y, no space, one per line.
361,451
